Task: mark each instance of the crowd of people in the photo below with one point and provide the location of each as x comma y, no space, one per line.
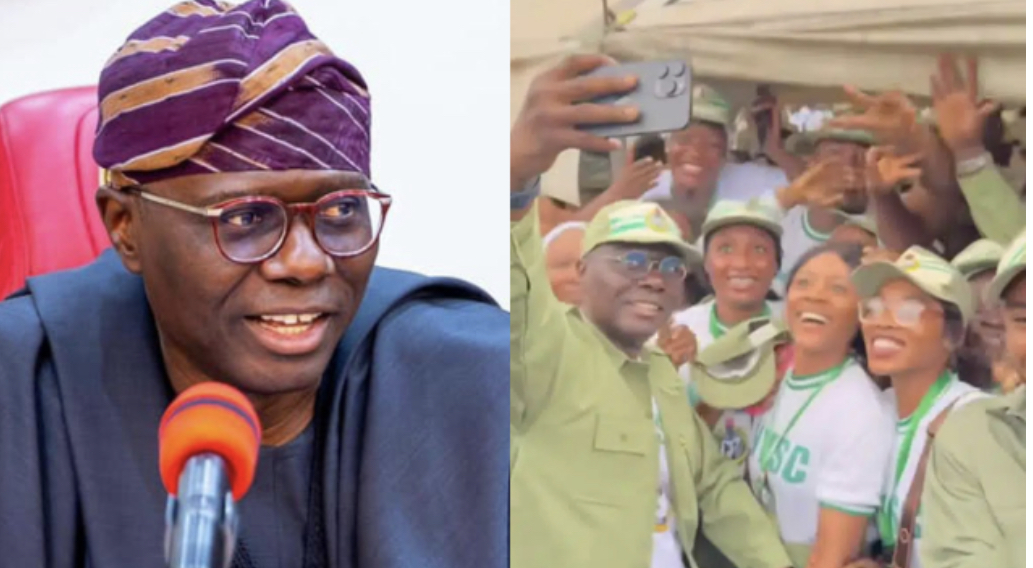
814,359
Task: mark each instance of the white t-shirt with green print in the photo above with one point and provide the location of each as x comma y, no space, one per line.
908,445
826,442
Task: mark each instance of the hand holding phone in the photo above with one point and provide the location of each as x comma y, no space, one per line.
553,109
663,96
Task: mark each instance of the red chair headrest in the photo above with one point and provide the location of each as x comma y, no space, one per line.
48,179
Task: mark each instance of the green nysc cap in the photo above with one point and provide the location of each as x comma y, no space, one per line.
1013,263
709,106
926,270
978,257
637,222
755,212
737,370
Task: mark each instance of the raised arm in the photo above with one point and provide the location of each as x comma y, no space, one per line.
546,127
996,208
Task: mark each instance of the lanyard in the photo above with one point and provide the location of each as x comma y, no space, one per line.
911,424
718,329
825,378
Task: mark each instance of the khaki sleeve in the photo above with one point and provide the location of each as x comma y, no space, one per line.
958,528
995,205
538,330
730,516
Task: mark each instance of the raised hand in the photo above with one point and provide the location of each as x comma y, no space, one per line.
884,170
960,116
822,185
890,117
636,177
555,106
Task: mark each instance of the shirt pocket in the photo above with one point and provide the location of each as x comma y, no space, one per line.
632,436
618,471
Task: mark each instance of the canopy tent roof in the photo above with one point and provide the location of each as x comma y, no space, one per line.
805,49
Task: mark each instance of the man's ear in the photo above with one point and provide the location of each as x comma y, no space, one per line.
120,222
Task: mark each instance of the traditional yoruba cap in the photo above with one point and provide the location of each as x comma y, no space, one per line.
1013,263
977,257
637,222
210,87
737,370
805,142
756,212
931,273
709,106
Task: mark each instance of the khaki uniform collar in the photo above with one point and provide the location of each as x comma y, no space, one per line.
613,353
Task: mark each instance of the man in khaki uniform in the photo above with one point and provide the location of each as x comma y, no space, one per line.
974,502
597,419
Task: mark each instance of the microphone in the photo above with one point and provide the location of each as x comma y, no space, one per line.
208,447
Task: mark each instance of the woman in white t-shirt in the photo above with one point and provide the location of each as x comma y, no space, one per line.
821,448
741,257
913,315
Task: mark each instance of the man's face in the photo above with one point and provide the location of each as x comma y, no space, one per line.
696,156
850,156
209,310
1015,322
628,309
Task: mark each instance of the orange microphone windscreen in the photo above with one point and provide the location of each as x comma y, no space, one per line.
210,418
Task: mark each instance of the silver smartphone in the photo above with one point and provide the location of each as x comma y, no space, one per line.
663,96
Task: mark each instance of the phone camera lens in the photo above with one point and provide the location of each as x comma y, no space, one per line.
666,88
675,69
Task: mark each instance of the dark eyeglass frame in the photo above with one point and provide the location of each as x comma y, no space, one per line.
308,210
651,266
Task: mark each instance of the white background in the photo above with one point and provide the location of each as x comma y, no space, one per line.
440,84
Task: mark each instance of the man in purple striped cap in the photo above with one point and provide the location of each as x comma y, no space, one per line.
245,229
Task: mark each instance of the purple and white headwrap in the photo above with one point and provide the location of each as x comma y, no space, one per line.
209,87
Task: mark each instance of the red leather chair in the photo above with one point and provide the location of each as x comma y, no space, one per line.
48,217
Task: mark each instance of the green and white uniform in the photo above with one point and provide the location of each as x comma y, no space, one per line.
824,443
702,320
907,449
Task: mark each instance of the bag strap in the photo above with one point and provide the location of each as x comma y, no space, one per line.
905,542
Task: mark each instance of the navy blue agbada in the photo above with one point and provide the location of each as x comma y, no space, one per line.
411,435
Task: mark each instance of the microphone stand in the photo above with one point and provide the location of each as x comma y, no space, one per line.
201,524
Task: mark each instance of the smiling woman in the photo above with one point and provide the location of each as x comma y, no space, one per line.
828,415
245,228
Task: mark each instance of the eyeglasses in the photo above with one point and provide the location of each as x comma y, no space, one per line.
249,230
637,264
906,313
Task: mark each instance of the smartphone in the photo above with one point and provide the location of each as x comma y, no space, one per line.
663,97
